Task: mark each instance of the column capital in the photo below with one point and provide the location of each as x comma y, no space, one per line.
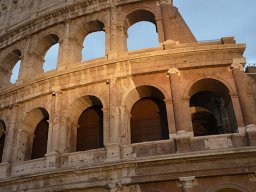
187,182
250,128
174,71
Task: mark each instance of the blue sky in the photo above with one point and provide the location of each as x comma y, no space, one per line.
213,19
208,20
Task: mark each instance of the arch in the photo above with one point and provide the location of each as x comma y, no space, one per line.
7,65
138,15
34,134
228,187
187,90
43,45
141,92
209,84
152,99
94,46
86,114
211,108
2,138
134,20
86,28
39,148
82,104
90,130
142,35
148,120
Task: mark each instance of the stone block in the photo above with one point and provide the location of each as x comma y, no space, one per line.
228,40
182,144
52,160
251,137
239,140
218,143
113,152
5,169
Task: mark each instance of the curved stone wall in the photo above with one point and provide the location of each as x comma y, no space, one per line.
116,82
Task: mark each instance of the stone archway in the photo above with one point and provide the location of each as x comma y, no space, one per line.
86,124
7,65
43,45
148,119
31,143
211,108
135,18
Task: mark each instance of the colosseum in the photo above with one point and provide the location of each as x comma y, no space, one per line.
179,117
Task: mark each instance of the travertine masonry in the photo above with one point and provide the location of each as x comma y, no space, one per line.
194,132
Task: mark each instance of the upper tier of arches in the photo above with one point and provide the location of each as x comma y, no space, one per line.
70,36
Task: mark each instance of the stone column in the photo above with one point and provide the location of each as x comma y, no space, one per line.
10,136
58,140
245,100
108,39
187,183
165,6
24,146
170,117
113,147
160,29
34,65
72,135
69,50
24,65
116,35
180,125
106,129
238,113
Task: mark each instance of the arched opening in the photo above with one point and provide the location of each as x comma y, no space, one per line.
9,68
47,53
211,108
142,35
15,72
2,138
39,148
34,135
142,30
90,130
94,46
148,120
87,116
51,58
89,40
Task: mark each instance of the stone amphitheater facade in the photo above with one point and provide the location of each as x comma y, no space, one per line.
176,118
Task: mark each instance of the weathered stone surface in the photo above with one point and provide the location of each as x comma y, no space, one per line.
170,75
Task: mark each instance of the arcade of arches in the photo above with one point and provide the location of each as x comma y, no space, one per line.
37,55
211,108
